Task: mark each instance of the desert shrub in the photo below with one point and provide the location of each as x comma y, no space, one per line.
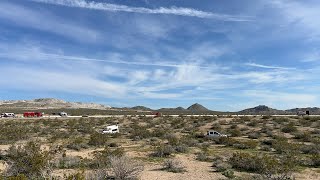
254,135
125,168
303,136
253,123
280,120
181,148
223,122
221,140
163,151
189,141
76,176
139,132
98,139
269,166
159,132
203,156
113,144
28,160
12,132
233,126
266,117
77,144
289,128
68,162
216,126
265,148
228,173
234,132
315,159
250,144
101,158
172,139
172,165
305,122
284,147
245,118
18,177
220,165
310,149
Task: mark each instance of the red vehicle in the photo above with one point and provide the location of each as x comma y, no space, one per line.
157,114
32,114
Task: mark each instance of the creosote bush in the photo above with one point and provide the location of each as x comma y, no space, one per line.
268,166
172,165
98,139
28,160
125,168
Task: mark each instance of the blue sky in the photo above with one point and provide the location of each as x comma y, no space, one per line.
226,55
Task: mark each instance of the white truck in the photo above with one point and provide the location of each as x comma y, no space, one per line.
8,115
111,129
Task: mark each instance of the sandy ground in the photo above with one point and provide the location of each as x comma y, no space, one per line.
310,174
194,170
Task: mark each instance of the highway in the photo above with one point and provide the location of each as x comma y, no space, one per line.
120,116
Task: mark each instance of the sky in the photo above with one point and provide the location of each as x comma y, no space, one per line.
226,55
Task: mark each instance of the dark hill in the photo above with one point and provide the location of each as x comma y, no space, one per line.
197,108
261,110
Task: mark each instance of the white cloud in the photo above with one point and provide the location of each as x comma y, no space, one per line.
162,10
53,80
45,21
300,16
283,100
266,66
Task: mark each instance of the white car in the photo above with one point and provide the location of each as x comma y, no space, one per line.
212,133
111,129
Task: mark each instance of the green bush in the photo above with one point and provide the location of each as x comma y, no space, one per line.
163,151
28,160
268,166
98,139
250,144
289,128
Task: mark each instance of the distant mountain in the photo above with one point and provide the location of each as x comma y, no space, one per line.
49,103
261,110
141,108
197,108
312,110
172,109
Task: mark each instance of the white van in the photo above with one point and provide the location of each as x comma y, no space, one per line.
111,129
212,133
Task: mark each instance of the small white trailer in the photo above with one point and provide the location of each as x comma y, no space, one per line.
111,129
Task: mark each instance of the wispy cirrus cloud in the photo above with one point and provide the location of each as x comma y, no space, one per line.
267,66
179,11
45,21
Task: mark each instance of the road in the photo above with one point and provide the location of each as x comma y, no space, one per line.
119,116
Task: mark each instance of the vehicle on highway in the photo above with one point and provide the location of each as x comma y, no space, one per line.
8,115
111,129
32,114
63,114
212,133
